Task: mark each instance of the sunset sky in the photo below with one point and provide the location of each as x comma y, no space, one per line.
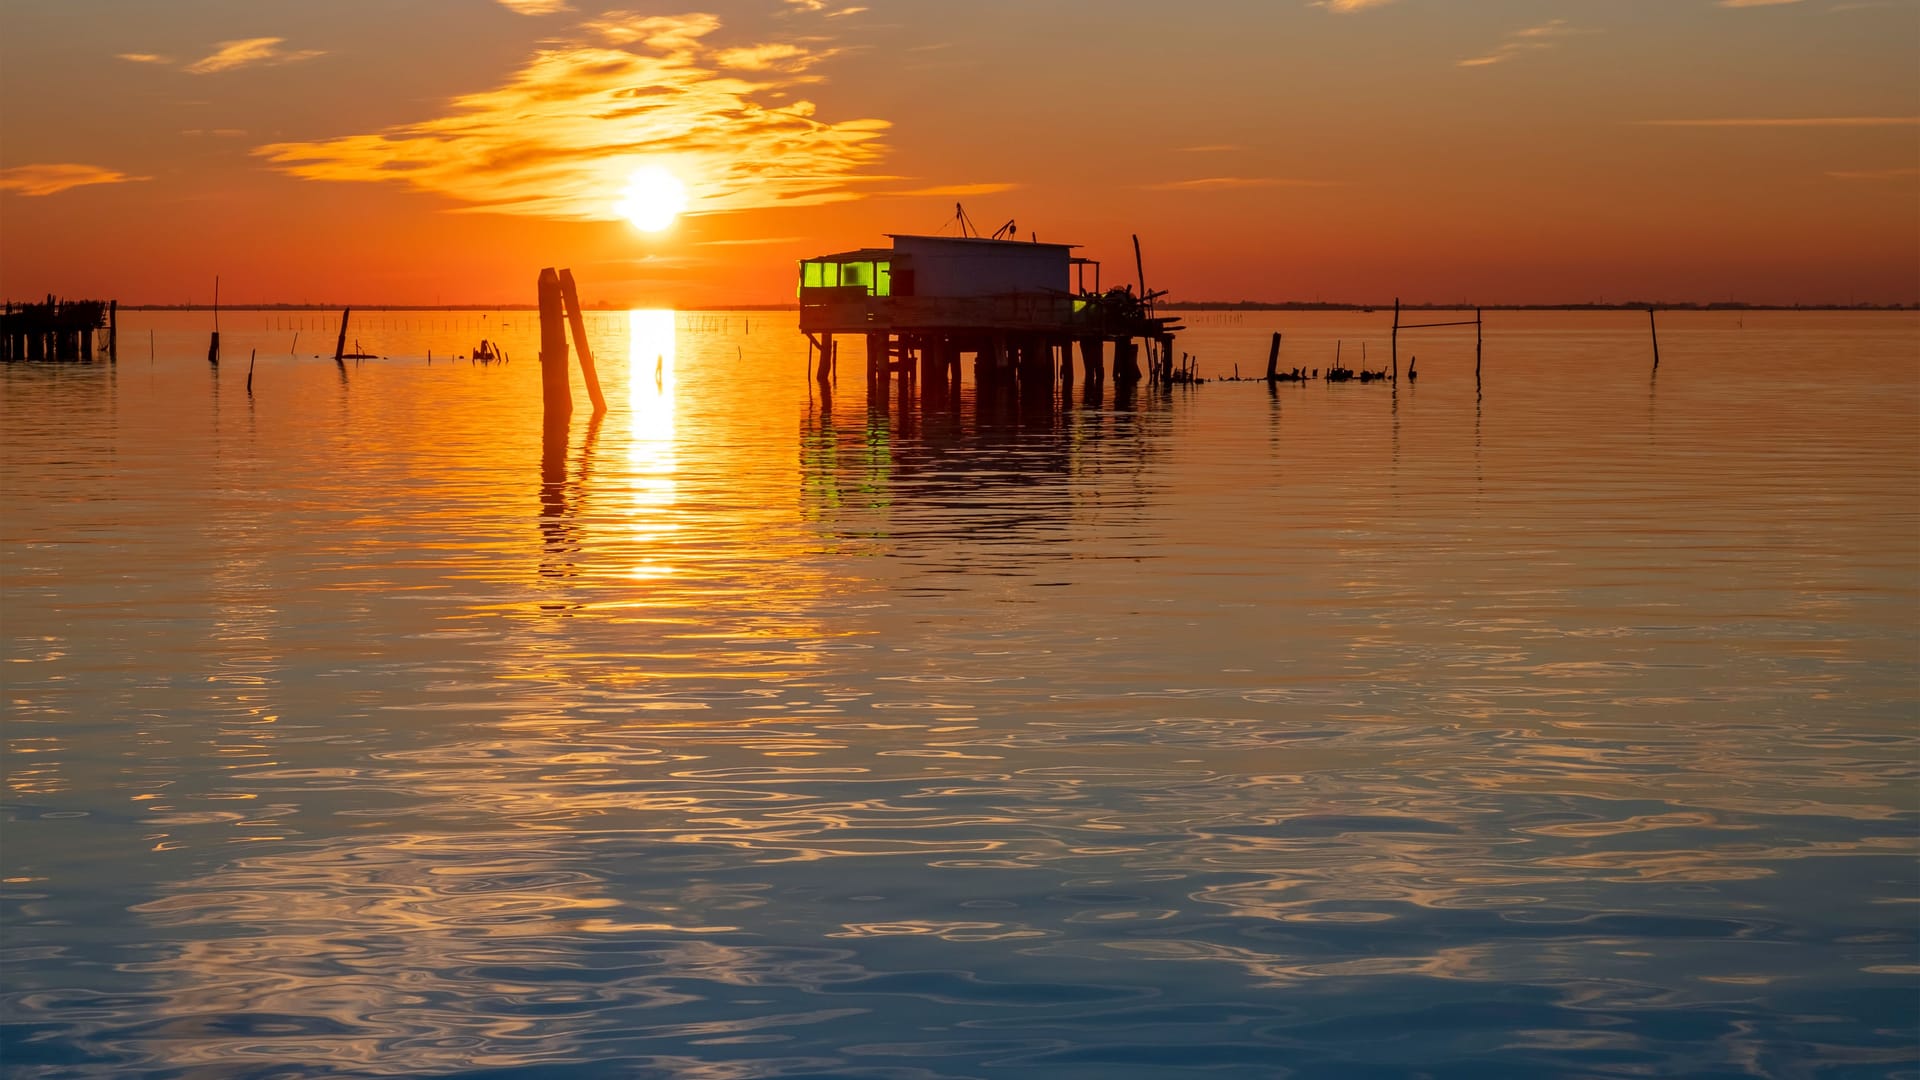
442,151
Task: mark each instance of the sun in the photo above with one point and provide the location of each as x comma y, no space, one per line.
654,197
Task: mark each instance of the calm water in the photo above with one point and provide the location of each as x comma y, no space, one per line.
1566,727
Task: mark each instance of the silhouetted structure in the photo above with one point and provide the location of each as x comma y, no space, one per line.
928,301
57,329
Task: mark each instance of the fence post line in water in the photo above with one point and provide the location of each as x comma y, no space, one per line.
555,396
574,320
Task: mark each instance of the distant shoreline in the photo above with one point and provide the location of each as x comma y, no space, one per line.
1165,305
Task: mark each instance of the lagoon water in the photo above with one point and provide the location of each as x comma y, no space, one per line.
1558,725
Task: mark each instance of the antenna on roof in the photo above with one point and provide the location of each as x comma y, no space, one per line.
966,223
1008,230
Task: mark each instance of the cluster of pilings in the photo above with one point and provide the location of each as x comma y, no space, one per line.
928,363
1023,364
58,329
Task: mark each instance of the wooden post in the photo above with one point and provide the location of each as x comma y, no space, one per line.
1395,347
250,357
825,374
579,326
340,347
1140,268
213,345
113,330
556,398
1273,359
1093,358
1477,337
1655,330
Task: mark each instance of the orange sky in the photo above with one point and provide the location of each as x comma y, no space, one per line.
362,151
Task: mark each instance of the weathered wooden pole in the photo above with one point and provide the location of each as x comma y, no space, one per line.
1477,338
340,347
579,325
1139,268
556,398
113,330
824,375
250,356
1273,359
1655,330
1395,346
213,345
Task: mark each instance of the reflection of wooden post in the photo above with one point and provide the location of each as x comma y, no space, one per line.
340,347
555,397
1273,359
572,296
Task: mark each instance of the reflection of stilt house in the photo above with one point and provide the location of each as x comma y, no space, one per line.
929,300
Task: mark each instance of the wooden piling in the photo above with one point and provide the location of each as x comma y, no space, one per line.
1477,337
250,355
1273,358
340,346
113,331
1655,330
213,345
1093,358
556,398
1395,346
574,320
824,375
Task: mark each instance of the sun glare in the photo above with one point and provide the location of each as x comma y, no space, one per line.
654,197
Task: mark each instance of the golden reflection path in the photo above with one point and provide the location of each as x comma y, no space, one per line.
651,454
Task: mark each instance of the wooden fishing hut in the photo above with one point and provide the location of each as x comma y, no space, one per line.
1019,308
57,329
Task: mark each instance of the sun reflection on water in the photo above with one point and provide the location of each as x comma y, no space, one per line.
651,457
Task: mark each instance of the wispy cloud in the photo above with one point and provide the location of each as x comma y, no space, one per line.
1875,174
249,52
536,7
1787,121
1756,3
1531,39
52,179
1344,6
144,57
1210,148
560,138
777,56
1211,183
954,189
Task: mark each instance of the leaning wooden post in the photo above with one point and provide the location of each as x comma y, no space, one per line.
340,347
1273,358
113,331
1395,346
1655,330
556,398
579,325
824,374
